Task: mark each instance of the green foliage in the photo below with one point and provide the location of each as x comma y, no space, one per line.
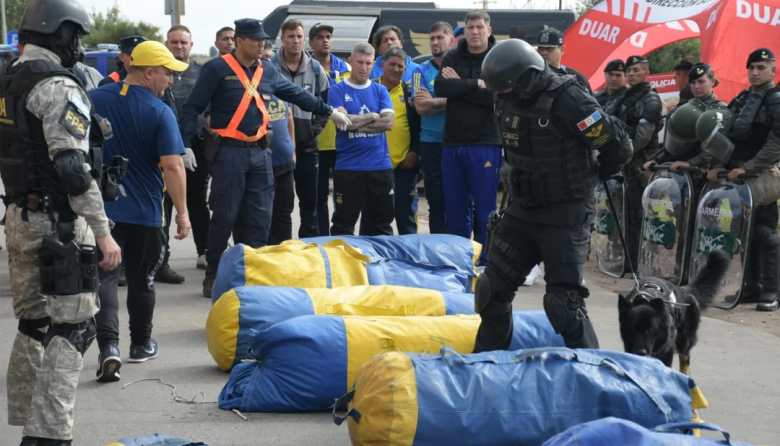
14,10
664,59
584,5
112,27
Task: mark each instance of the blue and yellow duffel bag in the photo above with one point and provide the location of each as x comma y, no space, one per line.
303,364
424,249
616,431
508,397
330,265
244,310
156,440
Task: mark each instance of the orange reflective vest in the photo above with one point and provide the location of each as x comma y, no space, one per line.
251,89
114,76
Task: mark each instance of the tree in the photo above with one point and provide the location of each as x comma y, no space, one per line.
112,26
14,10
663,59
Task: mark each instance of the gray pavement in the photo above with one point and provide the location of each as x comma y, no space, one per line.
736,366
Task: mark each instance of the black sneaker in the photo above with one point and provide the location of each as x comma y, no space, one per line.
109,363
122,277
35,441
143,353
208,281
166,275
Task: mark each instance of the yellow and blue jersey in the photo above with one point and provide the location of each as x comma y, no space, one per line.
432,126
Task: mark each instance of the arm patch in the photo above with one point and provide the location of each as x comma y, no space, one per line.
74,122
596,130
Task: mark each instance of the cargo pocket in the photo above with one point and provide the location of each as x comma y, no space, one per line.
71,309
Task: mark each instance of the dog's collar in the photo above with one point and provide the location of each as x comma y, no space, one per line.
652,289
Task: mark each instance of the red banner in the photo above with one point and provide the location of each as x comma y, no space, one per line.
644,42
730,31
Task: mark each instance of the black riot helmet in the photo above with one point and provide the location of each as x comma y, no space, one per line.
56,25
514,64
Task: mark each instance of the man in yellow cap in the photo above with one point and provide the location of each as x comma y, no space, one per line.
145,132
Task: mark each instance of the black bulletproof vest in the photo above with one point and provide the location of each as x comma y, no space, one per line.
747,149
25,166
549,167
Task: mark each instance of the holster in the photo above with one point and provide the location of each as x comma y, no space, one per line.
110,179
67,268
211,142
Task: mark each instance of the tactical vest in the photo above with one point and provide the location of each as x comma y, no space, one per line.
25,167
745,149
628,110
549,168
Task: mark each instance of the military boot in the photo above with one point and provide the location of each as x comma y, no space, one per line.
208,281
770,277
569,318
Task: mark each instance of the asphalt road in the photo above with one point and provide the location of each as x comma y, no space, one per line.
737,366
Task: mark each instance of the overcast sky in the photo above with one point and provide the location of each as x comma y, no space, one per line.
205,17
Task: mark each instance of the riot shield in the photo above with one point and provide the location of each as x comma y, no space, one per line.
665,249
724,220
610,256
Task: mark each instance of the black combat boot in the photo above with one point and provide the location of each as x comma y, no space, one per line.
751,283
569,318
769,277
208,281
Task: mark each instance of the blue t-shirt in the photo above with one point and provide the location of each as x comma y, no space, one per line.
432,125
145,129
361,151
281,143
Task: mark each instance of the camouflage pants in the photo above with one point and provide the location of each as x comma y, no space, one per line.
766,188
42,383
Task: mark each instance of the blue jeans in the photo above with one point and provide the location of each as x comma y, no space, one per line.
241,179
430,161
470,171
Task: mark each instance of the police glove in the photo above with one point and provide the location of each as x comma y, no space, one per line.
340,119
189,160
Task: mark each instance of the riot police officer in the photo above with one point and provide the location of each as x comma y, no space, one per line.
755,142
54,207
615,83
640,108
551,128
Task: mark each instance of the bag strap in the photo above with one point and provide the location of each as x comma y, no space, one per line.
688,425
341,403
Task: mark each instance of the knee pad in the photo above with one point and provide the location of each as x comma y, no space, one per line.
563,307
34,328
79,335
482,293
491,290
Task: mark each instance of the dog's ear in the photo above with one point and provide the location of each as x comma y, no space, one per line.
623,305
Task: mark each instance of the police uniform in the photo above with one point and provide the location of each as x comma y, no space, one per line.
242,172
640,108
45,117
552,37
603,96
756,138
551,131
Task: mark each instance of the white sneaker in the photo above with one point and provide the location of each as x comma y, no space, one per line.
533,276
201,263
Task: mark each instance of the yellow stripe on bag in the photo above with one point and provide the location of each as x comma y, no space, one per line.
222,329
385,300
393,384
343,261
272,264
367,337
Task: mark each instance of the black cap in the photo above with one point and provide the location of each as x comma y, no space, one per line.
699,70
633,60
317,28
128,44
760,55
684,65
615,65
550,37
251,29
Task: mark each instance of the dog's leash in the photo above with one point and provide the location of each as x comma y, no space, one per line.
620,233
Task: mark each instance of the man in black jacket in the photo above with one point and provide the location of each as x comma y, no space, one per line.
550,46
471,157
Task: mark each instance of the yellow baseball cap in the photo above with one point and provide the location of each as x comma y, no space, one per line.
155,54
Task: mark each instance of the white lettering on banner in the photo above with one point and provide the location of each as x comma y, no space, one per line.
662,83
599,30
713,16
761,13
638,39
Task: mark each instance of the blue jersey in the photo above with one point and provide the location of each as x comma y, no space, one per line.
432,125
145,129
281,143
357,150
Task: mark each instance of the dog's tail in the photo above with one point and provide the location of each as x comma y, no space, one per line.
709,280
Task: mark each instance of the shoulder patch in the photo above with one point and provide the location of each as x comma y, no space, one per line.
74,122
589,121
7,111
74,99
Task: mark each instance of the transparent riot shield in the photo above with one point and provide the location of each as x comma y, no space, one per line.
666,202
724,220
610,255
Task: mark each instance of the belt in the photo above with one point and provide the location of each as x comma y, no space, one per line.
239,143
